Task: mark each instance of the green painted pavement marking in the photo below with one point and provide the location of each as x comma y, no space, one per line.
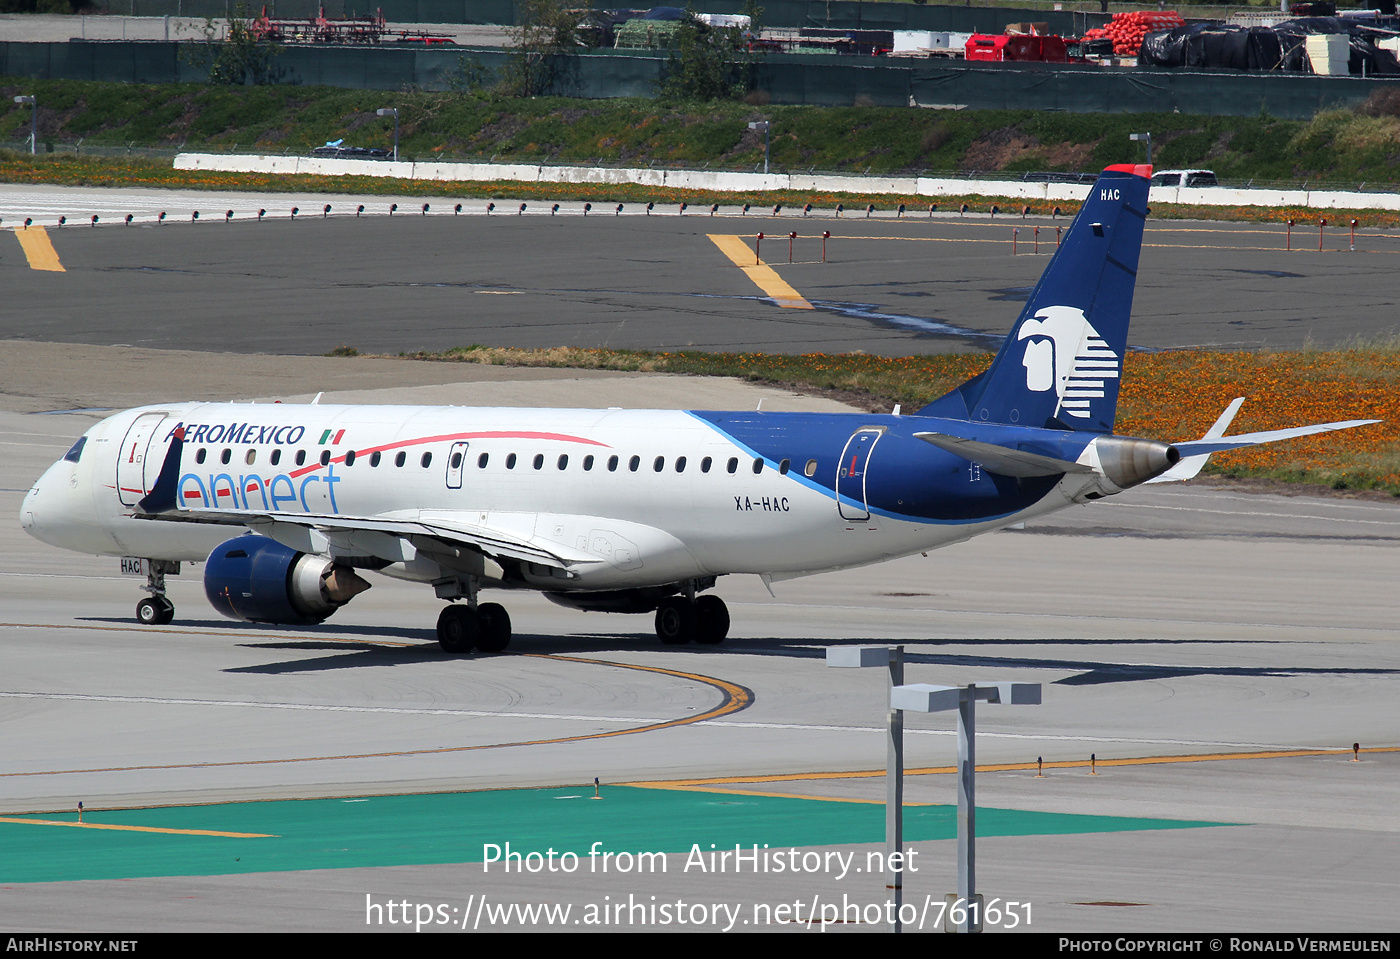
452,828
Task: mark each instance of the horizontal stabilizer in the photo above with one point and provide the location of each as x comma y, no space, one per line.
1000,459
1269,436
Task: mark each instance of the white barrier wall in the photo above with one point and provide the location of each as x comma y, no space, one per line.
726,182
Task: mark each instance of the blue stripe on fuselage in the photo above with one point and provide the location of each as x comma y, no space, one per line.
906,478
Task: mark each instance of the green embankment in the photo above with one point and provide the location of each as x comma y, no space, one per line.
1340,146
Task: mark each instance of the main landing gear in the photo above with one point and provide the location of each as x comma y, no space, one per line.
156,610
462,628
681,619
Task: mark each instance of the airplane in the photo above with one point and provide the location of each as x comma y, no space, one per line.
628,511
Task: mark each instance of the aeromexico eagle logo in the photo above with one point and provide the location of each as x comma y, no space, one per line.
1066,354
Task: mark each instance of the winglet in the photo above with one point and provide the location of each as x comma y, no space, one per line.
161,498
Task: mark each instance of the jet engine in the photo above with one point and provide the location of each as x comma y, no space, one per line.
258,580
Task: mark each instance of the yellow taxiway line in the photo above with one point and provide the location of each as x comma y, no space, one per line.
38,249
761,273
102,825
705,784
734,698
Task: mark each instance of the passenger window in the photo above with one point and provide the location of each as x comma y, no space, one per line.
276,457
325,458
510,461
612,464
587,463
427,460
482,460
301,457
250,456
680,464
563,460
374,458
198,457
401,458
350,458
782,467
633,463
539,461
810,469
76,453
705,464
226,455
757,466
733,464
456,460
658,464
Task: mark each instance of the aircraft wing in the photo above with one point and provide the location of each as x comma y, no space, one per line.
381,536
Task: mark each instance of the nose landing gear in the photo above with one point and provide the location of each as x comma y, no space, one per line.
155,610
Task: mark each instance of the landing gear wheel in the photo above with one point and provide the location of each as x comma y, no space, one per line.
155,611
675,621
458,629
713,620
495,627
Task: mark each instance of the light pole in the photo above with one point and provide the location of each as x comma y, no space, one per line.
924,698
33,122
763,125
1147,137
893,657
393,112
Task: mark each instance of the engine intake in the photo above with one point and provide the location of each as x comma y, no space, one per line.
258,580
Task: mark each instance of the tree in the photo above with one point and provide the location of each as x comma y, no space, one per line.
242,57
546,31
710,63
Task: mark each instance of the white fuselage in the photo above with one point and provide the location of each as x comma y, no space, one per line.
625,497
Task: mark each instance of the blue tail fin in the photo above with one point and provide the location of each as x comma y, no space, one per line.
1059,367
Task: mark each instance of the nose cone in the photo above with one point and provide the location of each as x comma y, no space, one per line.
58,509
26,509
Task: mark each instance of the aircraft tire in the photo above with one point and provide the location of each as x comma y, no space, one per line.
495,627
675,621
458,629
712,620
155,611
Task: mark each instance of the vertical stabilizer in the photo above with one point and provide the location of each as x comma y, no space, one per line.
1059,366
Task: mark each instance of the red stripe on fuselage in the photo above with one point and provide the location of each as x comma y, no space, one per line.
448,437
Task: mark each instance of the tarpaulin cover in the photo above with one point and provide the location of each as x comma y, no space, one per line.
1277,48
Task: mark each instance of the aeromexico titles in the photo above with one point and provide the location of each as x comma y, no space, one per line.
626,511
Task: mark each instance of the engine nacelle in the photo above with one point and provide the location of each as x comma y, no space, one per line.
1128,461
259,580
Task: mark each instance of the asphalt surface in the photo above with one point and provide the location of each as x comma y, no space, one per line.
1182,622
409,282
1169,622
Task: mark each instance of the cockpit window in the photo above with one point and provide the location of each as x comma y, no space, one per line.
76,453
